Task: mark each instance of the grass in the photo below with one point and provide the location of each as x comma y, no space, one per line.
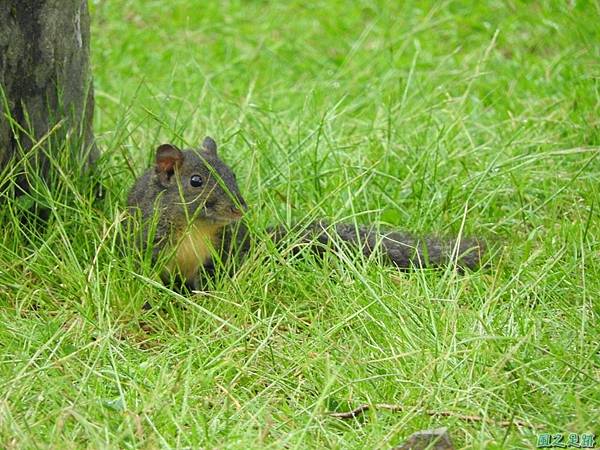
428,117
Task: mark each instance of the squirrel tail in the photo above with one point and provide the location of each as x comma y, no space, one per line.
402,250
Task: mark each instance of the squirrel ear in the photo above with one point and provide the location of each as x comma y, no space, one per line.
209,145
168,157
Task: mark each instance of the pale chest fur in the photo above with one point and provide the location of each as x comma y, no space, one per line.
195,245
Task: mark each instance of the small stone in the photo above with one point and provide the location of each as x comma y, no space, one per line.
436,439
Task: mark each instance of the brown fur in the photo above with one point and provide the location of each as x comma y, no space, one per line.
195,245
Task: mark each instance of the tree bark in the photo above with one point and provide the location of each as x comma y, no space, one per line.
45,86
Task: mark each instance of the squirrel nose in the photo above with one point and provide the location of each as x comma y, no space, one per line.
239,211
243,205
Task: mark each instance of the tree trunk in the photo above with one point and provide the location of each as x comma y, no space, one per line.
45,86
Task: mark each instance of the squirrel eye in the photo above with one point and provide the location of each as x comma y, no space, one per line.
196,180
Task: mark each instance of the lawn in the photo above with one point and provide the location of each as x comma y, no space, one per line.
480,118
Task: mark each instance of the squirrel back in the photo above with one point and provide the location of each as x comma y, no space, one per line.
190,200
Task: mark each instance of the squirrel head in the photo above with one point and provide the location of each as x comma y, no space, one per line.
198,185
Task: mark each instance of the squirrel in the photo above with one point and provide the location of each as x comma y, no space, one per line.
195,201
